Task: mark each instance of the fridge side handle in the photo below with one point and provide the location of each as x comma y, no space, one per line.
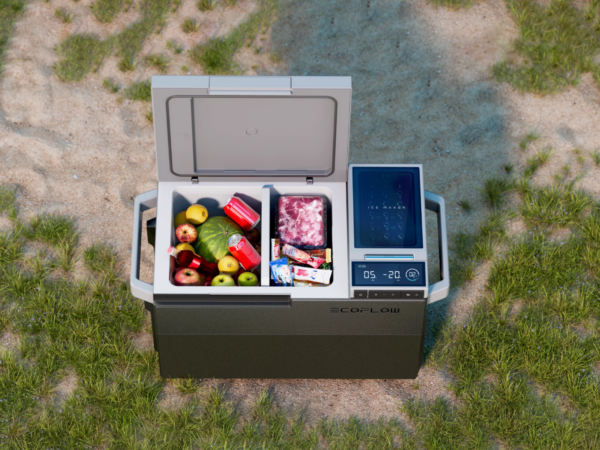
140,289
439,291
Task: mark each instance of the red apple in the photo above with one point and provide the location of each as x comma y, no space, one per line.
258,249
253,236
189,277
186,233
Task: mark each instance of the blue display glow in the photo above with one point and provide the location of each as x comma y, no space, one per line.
387,207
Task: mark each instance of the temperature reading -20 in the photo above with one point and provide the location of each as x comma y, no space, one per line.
380,273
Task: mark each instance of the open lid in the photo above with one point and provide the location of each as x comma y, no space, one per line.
258,127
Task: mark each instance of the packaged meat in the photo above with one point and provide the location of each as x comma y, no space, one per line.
302,221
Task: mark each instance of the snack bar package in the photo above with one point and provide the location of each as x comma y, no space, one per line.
281,272
314,275
302,256
302,221
275,249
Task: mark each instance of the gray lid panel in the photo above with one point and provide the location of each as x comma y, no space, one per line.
264,135
230,127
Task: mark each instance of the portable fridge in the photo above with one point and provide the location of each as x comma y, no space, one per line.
261,138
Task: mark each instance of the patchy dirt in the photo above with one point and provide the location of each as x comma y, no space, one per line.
10,341
65,388
422,94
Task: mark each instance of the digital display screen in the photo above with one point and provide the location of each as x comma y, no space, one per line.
387,207
402,274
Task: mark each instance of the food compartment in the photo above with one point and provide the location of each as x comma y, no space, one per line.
300,232
212,234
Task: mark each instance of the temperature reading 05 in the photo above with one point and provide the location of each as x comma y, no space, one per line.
370,274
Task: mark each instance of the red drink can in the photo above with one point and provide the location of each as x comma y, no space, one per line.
241,213
242,250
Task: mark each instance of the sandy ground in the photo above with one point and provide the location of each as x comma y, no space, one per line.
422,94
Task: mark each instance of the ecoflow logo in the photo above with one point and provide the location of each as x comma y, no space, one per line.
366,310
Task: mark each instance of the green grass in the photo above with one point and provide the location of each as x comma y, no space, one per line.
81,53
206,5
189,25
557,44
7,202
112,85
159,61
596,157
174,47
523,364
141,90
535,162
530,137
465,205
10,10
128,43
188,385
556,206
100,258
494,190
106,10
64,15
149,116
216,56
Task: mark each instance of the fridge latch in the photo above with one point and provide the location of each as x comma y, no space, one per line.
194,180
309,180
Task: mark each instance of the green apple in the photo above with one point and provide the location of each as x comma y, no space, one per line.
247,279
222,280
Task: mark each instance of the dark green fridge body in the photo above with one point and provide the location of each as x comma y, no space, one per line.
260,138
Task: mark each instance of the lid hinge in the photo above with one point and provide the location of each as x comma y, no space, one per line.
194,180
309,180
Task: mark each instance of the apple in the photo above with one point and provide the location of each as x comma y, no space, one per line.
186,233
189,277
228,265
253,236
258,249
248,279
222,280
185,247
180,219
196,214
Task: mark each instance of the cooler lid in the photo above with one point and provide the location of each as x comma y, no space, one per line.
260,127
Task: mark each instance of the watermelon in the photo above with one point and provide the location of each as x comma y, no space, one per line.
213,234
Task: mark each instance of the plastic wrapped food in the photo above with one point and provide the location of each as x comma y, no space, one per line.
301,256
281,272
314,275
302,221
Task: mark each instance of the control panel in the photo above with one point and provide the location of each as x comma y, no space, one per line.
388,255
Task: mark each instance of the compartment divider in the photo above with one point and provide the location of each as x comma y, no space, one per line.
265,237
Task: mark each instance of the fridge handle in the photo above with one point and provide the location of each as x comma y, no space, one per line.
139,289
439,291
